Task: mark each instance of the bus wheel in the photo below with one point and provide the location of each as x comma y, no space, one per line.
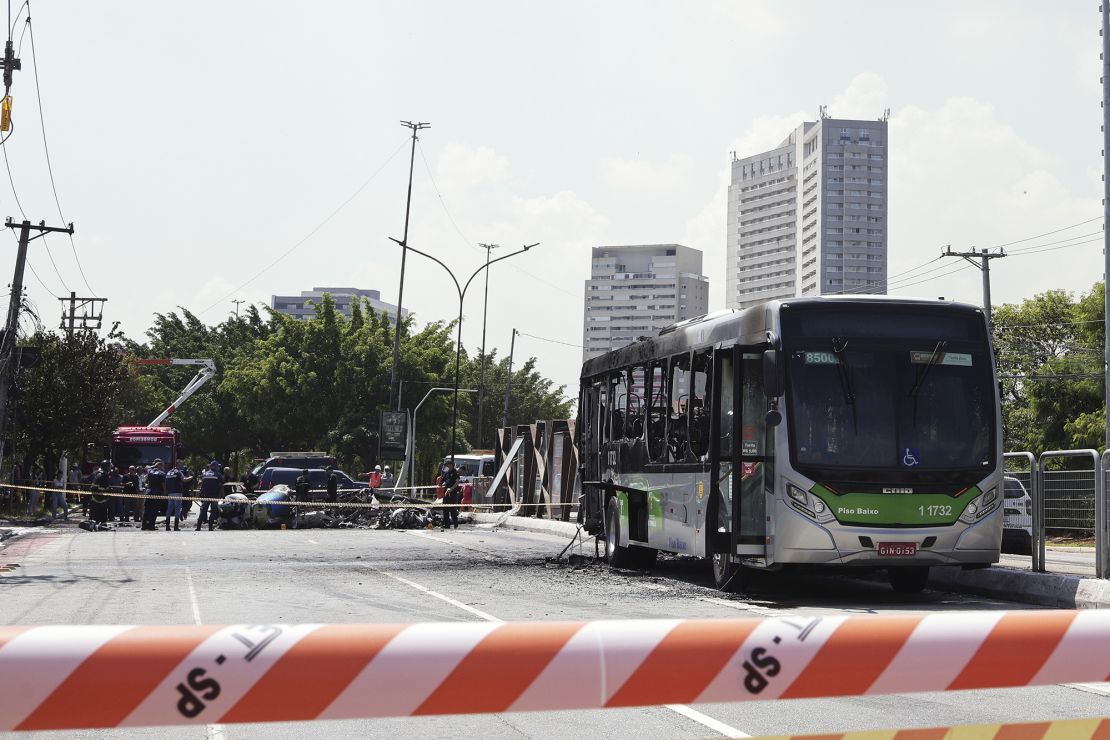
909,580
726,574
623,557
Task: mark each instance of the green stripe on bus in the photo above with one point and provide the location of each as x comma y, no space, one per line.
889,509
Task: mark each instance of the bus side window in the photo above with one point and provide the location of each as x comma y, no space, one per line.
602,415
728,405
677,428
657,411
637,386
620,405
698,408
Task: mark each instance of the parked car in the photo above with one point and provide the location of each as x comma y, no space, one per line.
288,476
300,460
1017,517
471,467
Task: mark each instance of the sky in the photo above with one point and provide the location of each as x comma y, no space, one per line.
211,152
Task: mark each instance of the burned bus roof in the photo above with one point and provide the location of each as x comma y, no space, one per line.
749,325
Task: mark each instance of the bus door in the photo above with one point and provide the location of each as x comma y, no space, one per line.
755,474
591,421
722,453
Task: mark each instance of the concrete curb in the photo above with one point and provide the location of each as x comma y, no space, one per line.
1012,584
529,524
1045,589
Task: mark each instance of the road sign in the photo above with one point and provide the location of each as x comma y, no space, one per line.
392,435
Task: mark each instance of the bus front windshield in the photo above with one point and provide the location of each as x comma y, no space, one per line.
913,406
124,455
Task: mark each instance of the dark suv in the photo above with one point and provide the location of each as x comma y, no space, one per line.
299,460
288,476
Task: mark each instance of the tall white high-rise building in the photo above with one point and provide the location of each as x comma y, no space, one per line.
809,217
635,291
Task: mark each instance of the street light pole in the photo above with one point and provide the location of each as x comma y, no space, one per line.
482,365
411,463
458,333
404,253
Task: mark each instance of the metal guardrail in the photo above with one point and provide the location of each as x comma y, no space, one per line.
1067,486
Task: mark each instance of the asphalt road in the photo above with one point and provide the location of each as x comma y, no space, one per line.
130,577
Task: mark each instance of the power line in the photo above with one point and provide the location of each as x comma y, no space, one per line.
46,149
1049,244
1047,233
310,234
1032,250
442,202
545,339
15,196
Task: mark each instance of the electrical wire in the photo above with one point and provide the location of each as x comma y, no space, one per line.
545,339
19,205
442,202
1047,233
1049,244
311,233
1053,249
46,150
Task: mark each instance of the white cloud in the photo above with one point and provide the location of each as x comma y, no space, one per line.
865,98
958,175
643,177
461,168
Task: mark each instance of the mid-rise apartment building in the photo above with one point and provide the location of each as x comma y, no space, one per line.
636,290
809,217
301,307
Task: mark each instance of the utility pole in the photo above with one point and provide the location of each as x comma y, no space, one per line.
237,301
1105,8
91,317
7,344
508,381
984,264
482,366
417,126
11,64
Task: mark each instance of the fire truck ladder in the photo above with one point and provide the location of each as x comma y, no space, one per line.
203,375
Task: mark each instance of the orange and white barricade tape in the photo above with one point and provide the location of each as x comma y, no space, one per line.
65,677
1064,729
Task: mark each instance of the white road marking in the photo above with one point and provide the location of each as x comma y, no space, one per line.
687,712
215,732
192,596
313,542
705,719
465,607
1091,688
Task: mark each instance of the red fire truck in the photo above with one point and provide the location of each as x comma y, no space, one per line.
142,445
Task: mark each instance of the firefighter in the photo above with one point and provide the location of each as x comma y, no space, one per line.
301,490
451,496
98,495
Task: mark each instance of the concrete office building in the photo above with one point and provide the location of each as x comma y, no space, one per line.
301,307
809,217
635,291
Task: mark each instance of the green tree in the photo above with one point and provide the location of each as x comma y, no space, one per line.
70,399
531,397
1049,351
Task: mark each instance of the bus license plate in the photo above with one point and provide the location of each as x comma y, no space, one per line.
897,549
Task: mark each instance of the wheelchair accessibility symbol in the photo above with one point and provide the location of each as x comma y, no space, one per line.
911,458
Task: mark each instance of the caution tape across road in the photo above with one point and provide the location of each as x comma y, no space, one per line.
58,677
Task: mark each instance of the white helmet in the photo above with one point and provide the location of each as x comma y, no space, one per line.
387,467
377,467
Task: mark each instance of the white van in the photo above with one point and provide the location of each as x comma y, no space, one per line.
1017,518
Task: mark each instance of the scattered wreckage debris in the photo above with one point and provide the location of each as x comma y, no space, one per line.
276,509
